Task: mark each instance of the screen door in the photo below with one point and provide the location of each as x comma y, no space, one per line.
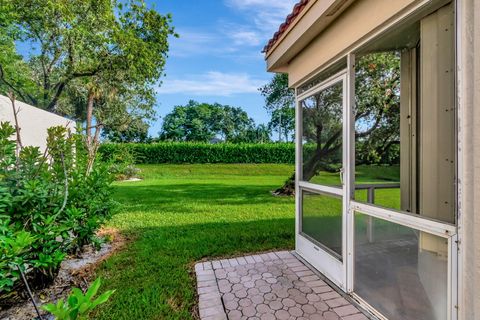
321,209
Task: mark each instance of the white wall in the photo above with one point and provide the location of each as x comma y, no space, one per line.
33,122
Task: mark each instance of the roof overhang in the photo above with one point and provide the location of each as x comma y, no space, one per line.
316,16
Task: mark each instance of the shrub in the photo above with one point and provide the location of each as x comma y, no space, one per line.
50,204
188,152
122,160
14,249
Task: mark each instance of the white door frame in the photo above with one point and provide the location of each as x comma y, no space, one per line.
316,255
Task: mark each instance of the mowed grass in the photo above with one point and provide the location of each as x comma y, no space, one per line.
184,213
181,214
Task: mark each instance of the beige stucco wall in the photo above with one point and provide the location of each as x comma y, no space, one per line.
33,122
469,96
349,29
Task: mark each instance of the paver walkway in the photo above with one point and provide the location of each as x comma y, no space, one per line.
268,286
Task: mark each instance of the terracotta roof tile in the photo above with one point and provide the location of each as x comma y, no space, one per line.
297,9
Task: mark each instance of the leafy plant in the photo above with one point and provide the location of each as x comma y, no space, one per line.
78,305
50,204
14,249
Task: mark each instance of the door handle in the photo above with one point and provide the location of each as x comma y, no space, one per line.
341,175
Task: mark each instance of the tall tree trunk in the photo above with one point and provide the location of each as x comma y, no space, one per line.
310,169
288,188
90,102
19,144
91,147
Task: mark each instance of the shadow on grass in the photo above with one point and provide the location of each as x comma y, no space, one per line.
222,194
153,275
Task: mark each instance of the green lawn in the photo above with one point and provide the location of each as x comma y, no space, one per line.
184,213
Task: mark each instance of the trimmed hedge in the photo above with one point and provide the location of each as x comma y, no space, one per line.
190,152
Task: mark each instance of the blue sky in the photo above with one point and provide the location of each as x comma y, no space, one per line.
218,55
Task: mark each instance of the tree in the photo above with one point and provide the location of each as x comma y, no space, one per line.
15,74
280,103
193,122
203,122
136,131
235,124
123,112
94,38
376,117
283,121
259,134
262,134
277,94
103,52
378,109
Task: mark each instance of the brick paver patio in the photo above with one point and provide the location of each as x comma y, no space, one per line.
274,285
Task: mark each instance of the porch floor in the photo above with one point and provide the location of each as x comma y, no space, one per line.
275,285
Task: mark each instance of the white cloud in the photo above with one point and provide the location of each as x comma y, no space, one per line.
245,38
192,42
282,5
224,43
212,83
267,15
261,18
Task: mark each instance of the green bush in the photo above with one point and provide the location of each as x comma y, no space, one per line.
122,163
14,250
189,152
50,204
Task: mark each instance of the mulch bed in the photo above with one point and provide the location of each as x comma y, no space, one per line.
75,271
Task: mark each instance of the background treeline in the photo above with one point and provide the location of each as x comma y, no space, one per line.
211,123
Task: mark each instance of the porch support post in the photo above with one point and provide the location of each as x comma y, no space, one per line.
298,166
468,75
349,170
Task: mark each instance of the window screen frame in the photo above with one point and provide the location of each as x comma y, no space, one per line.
449,231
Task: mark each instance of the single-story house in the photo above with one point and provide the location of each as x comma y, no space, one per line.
388,150
33,122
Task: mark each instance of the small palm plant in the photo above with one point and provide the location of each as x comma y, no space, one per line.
78,305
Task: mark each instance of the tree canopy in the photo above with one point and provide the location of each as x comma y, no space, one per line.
136,131
283,122
377,117
280,104
97,61
205,122
277,94
377,102
15,73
